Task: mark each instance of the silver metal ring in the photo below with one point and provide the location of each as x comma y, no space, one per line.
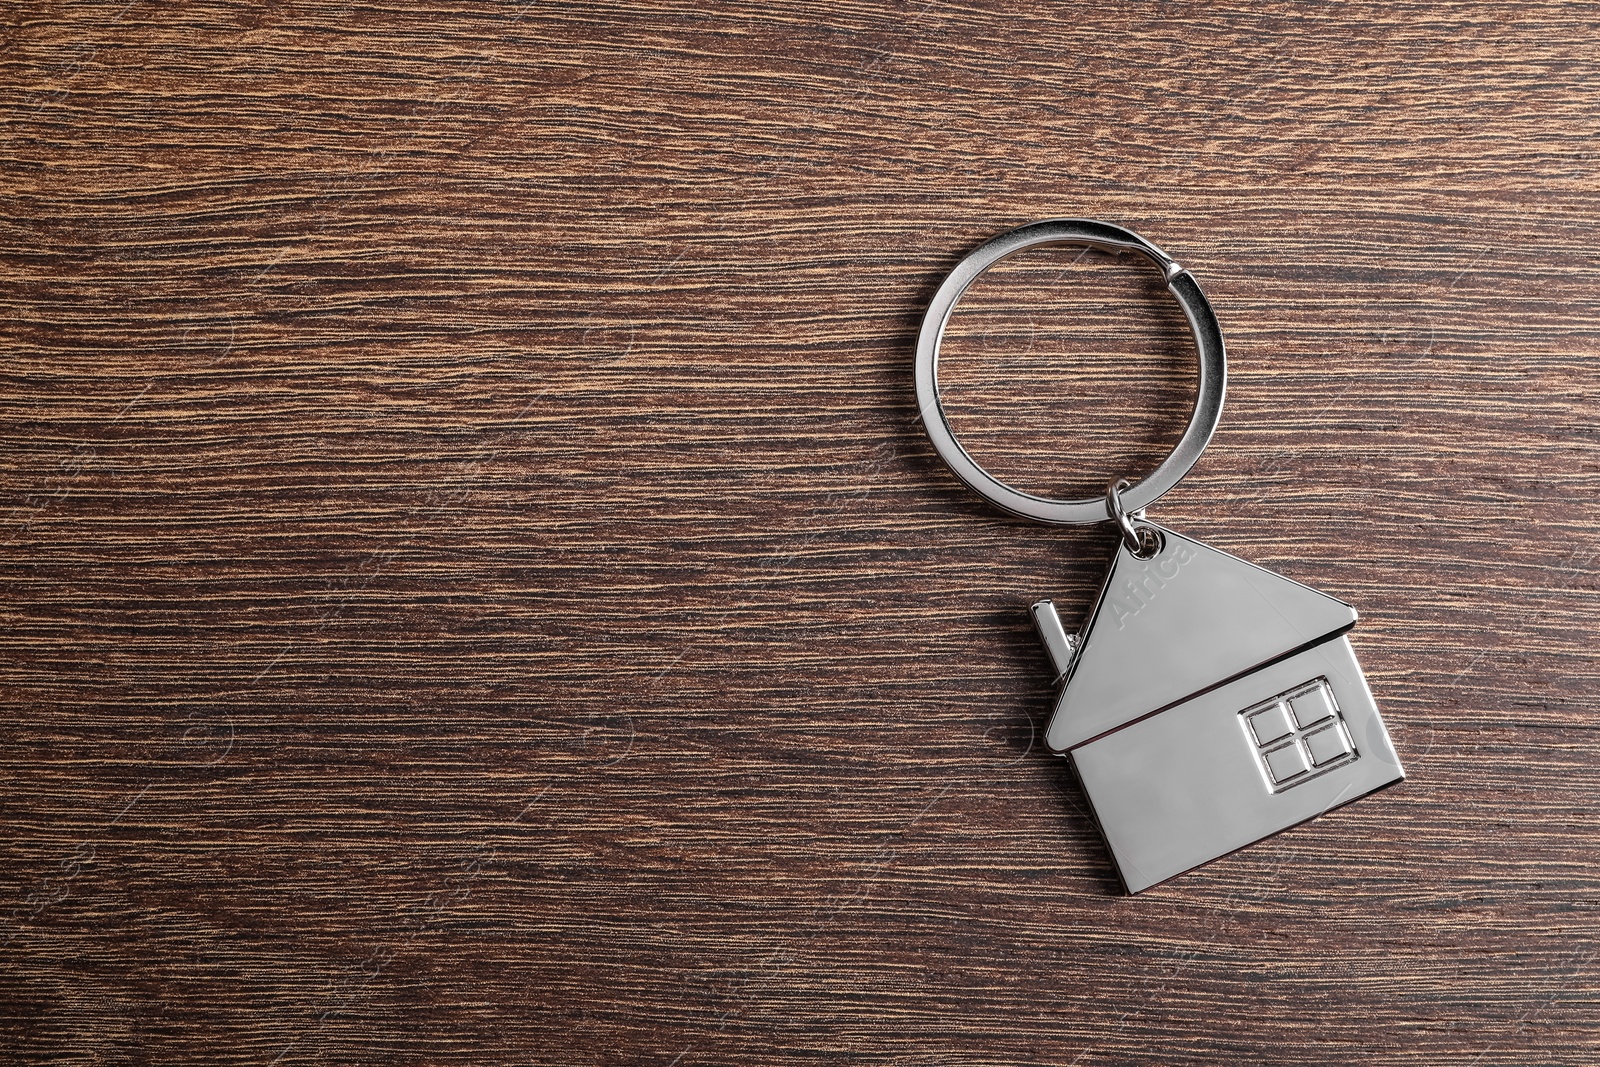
1108,238
1119,514
1142,541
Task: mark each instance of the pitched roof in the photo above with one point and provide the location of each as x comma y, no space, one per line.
1184,621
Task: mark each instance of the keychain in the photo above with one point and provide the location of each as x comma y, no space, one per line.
1206,703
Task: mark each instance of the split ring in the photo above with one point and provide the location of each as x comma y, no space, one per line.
1213,377
1142,541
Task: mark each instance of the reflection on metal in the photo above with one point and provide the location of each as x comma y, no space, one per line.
1212,703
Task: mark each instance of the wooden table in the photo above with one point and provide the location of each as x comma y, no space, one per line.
476,589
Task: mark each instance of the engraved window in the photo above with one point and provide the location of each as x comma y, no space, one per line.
1298,735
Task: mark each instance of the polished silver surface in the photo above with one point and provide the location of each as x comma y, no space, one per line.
1079,233
1060,645
1194,783
1209,703
1186,619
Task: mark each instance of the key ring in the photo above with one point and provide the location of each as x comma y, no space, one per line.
1205,702
1213,378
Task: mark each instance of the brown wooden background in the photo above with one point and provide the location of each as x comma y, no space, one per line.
475,590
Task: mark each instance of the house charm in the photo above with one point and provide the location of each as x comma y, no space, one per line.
1209,703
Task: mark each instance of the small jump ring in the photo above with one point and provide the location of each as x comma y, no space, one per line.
1213,376
1139,541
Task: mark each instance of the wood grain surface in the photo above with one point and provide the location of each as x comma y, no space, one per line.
475,589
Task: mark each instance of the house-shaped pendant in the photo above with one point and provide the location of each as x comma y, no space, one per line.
1208,703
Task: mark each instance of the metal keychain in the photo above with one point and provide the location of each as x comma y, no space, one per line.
1206,703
